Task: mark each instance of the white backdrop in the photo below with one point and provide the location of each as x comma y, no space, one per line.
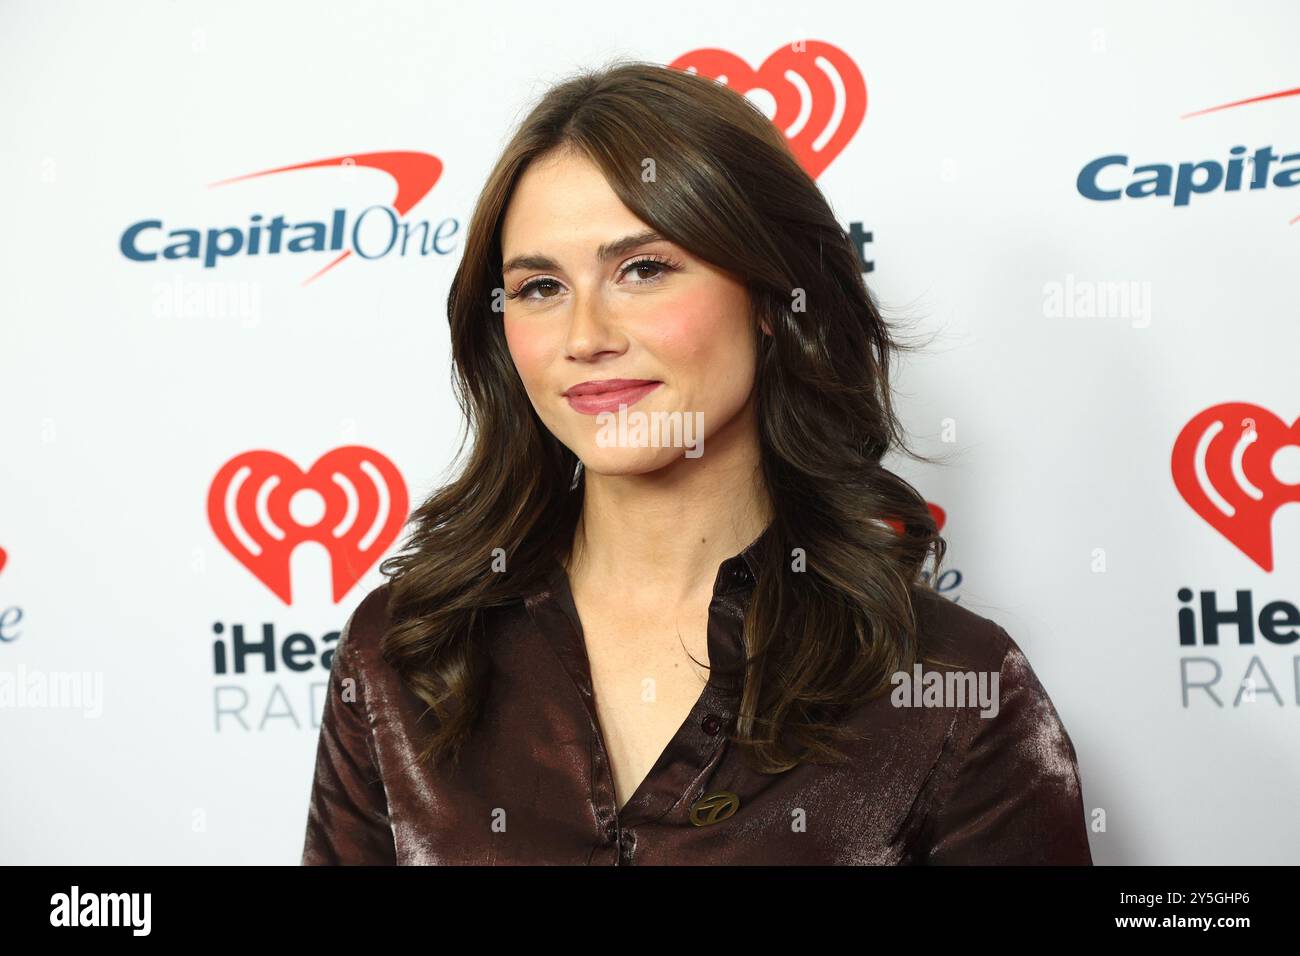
127,385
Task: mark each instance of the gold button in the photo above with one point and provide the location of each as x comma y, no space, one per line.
714,808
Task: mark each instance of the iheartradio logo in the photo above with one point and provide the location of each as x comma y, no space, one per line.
1223,465
352,501
812,92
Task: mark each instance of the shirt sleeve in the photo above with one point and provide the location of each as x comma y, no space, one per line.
347,817
1016,796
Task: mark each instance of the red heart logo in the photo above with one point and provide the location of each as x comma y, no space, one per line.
812,91
937,513
364,508
1222,466
3,558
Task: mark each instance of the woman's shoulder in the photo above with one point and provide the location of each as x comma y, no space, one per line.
951,637
362,635
949,632
1006,787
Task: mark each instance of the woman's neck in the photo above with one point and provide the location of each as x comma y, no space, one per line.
665,533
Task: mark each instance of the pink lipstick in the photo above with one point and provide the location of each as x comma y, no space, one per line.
592,398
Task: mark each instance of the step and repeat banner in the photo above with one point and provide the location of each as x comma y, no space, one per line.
229,233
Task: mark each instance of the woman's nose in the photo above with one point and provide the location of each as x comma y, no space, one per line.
591,327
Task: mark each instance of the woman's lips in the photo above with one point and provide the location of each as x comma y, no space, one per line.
592,398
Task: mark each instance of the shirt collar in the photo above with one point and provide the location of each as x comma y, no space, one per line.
740,571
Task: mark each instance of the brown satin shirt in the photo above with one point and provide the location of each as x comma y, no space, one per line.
927,784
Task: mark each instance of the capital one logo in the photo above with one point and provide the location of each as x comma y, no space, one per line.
413,175
1104,178
352,501
1225,464
812,92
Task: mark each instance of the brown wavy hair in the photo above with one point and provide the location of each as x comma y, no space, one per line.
728,189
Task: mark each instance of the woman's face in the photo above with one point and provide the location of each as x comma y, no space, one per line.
584,307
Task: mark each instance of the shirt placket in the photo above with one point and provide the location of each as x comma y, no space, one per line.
694,751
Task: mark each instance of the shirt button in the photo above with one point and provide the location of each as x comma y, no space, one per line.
711,724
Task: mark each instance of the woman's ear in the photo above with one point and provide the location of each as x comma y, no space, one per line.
757,310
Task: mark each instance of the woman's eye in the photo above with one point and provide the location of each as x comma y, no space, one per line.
638,270
526,289
637,267
657,269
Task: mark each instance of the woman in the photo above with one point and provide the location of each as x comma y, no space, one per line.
672,609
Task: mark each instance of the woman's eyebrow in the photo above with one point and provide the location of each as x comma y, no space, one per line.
607,251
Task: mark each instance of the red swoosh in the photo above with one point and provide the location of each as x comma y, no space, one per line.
414,173
1253,99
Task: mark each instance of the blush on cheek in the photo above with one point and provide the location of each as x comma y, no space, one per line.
706,344
530,348
687,335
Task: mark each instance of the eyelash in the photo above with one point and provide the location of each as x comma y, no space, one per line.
666,264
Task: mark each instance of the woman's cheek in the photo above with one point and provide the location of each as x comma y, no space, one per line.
682,337
708,344
529,350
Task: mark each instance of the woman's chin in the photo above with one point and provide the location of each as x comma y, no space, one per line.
628,461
